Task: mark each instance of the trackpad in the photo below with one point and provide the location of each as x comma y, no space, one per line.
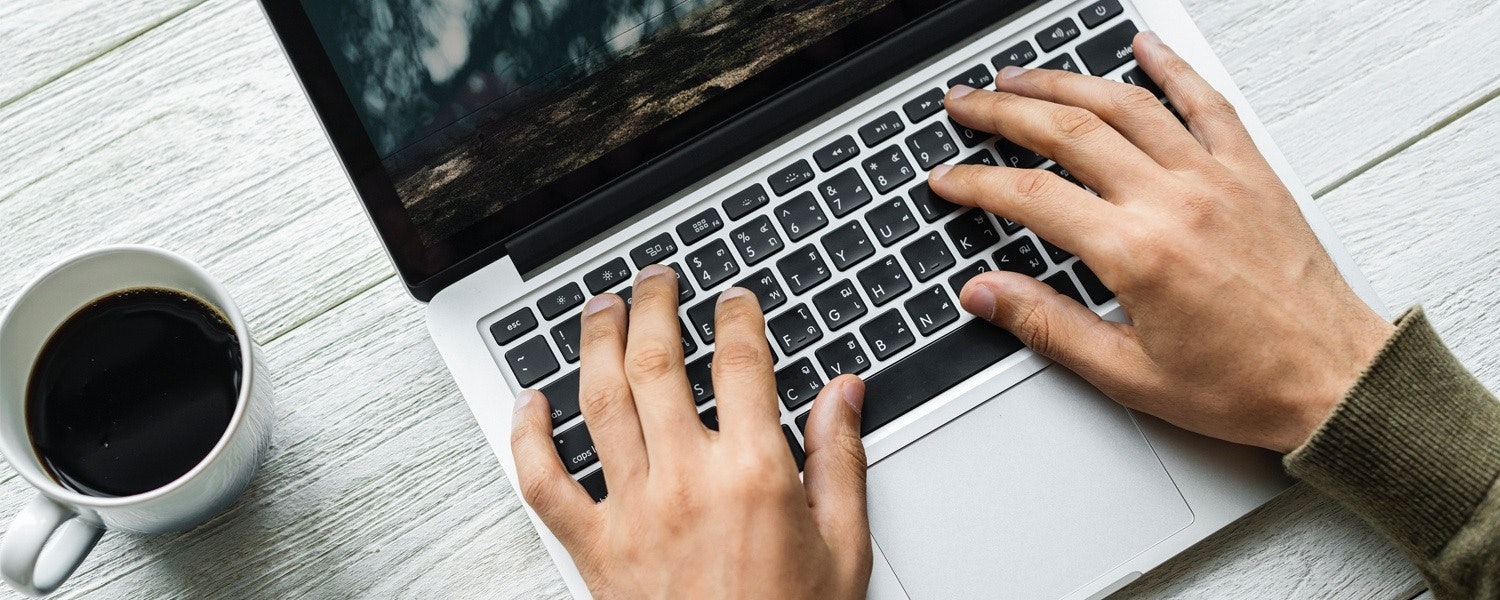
1030,495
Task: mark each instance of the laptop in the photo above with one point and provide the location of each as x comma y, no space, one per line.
519,156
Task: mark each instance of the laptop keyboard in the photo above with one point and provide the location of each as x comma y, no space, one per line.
856,263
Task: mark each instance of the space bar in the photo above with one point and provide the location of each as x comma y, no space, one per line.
944,363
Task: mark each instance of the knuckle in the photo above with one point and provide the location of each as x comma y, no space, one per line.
604,404
1034,327
653,361
1033,185
1072,124
1129,99
739,355
539,493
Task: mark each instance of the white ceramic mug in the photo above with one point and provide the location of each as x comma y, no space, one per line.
53,534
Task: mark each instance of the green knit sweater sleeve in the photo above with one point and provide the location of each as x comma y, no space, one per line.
1414,449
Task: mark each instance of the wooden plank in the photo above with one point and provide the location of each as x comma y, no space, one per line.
1425,228
195,138
42,41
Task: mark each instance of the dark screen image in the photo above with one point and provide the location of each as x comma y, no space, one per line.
472,104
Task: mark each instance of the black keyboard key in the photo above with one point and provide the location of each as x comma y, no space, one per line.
684,285
1091,284
653,250
801,216
576,448
513,326
931,206
688,347
795,329
803,269
970,137
848,245
802,422
1018,156
1018,55
932,370
700,375
982,157
1064,62
746,201
566,335
791,441
972,233
711,265
562,397
923,106
837,153
798,384
766,290
839,305
1021,256
1058,255
931,145
845,192
532,361
1066,175
1099,12
1008,226
891,221
928,256
843,357
884,280
702,316
607,276
931,310
1064,285
593,483
700,226
962,277
757,240
628,296
887,334
881,129
1138,77
558,302
977,77
888,169
791,177
1061,33
710,418
1108,50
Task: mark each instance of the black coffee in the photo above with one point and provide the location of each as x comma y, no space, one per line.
132,391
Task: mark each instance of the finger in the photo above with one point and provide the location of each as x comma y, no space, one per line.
835,469
1060,212
1056,326
655,367
1074,137
1131,110
604,391
561,502
744,381
1210,117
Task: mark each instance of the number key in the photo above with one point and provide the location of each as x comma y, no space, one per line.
845,192
931,145
757,240
712,265
801,216
888,169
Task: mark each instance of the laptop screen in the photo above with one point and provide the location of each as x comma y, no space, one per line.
479,110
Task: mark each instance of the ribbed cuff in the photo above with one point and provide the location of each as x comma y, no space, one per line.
1414,446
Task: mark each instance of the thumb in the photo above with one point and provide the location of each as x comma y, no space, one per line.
835,469
1057,327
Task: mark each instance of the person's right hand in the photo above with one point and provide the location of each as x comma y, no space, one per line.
1242,328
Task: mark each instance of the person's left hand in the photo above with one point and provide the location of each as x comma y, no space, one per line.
695,513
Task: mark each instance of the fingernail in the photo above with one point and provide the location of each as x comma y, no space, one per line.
599,303
734,292
651,271
1153,39
853,396
1011,71
939,171
524,398
959,91
980,302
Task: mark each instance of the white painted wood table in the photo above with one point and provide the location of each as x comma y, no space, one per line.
177,123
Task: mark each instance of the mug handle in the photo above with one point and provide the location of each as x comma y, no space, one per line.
33,566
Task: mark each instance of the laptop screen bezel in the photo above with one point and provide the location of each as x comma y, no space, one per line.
593,198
